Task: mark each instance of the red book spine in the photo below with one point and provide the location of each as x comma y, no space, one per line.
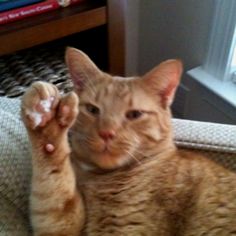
75,1
23,12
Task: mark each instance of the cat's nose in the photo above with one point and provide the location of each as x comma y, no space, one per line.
107,135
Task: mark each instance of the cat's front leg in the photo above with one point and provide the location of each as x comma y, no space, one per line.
56,205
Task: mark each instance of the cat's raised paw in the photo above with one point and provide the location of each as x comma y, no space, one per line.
39,104
43,106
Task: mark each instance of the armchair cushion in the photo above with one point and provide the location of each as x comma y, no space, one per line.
15,170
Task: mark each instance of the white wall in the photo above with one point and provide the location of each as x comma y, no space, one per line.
174,29
132,36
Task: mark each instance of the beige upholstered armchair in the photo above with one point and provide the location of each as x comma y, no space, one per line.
216,141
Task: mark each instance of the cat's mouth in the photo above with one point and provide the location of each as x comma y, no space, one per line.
109,160
110,155
102,148
107,150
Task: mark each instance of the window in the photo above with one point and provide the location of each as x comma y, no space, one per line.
234,58
218,72
221,55
233,64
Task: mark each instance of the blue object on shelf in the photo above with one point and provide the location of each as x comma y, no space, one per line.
8,5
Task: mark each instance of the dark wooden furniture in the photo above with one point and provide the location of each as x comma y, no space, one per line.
50,26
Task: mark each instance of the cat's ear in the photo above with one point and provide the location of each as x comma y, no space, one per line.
164,79
81,68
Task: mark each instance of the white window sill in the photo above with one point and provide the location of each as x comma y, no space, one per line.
225,90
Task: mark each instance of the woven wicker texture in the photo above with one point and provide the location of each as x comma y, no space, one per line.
20,70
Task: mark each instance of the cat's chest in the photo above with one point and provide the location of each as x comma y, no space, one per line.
118,204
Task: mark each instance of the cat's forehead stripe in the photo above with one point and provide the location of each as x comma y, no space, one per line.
121,90
119,78
113,90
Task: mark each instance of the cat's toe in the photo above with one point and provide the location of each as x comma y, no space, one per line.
68,110
39,104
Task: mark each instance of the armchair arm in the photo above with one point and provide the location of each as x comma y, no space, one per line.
215,141
205,135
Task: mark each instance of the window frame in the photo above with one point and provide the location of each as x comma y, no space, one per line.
222,41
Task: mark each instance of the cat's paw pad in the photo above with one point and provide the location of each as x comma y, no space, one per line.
39,104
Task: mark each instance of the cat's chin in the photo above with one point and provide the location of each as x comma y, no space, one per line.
109,161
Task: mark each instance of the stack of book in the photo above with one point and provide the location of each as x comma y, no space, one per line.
13,10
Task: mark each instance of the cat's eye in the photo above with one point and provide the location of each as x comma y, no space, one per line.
92,109
133,114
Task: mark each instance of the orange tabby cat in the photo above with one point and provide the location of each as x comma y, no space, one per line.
123,174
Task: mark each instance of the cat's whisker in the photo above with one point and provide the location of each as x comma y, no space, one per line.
132,156
139,152
136,139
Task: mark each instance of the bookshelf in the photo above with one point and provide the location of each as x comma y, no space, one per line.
63,22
